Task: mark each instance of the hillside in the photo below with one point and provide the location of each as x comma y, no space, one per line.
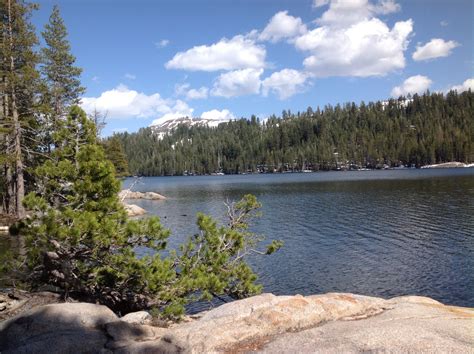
427,129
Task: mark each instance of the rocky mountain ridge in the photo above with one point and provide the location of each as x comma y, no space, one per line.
162,128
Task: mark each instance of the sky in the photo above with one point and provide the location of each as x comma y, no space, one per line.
148,61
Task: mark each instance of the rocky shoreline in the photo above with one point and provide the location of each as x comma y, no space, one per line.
128,194
266,323
133,209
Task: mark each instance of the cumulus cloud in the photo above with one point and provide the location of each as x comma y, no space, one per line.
122,102
180,109
191,93
351,41
197,94
224,115
228,54
284,83
237,83
282,26
465,86
343,13
414,84
435,48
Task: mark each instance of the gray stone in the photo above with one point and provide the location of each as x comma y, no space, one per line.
134,210
64,328
413,325
329,323
128,194
139,317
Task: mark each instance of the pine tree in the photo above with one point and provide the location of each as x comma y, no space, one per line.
116,154
80,240
61,84
19,82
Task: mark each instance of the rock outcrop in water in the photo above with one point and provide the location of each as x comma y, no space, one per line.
133,210
266,323
128,194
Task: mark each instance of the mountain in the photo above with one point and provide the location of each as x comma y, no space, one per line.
166,126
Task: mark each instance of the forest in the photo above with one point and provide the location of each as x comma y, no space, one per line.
408,131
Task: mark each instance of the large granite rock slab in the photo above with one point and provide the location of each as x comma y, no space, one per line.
412,325
57,328
329,323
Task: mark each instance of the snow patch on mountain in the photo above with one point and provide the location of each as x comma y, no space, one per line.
167,124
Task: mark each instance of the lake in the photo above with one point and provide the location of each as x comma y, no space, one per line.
381,233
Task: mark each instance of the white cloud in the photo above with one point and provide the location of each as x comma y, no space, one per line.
414,84
444,23
179,110
320,3
162,43
282,26
191,93
228,54
284,83
347,12
95,79
122,102
351,41
197,94
365,48
237,83
129,76
224,115
435,48
181,89
466,85
385,7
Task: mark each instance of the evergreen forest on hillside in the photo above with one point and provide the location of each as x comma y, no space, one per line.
414,131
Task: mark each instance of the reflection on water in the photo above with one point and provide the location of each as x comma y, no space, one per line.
381,233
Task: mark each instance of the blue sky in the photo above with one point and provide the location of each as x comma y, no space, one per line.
147,61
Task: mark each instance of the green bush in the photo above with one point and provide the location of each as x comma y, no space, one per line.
80,241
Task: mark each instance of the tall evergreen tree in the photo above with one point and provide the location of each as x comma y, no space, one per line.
19,83
62,87
116,154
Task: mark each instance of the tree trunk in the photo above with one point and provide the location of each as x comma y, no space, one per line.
19,178
19,183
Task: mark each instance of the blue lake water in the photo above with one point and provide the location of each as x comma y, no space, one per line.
381,233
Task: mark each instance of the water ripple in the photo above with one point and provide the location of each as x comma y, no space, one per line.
381,233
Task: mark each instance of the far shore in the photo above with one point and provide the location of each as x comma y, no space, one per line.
453,164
